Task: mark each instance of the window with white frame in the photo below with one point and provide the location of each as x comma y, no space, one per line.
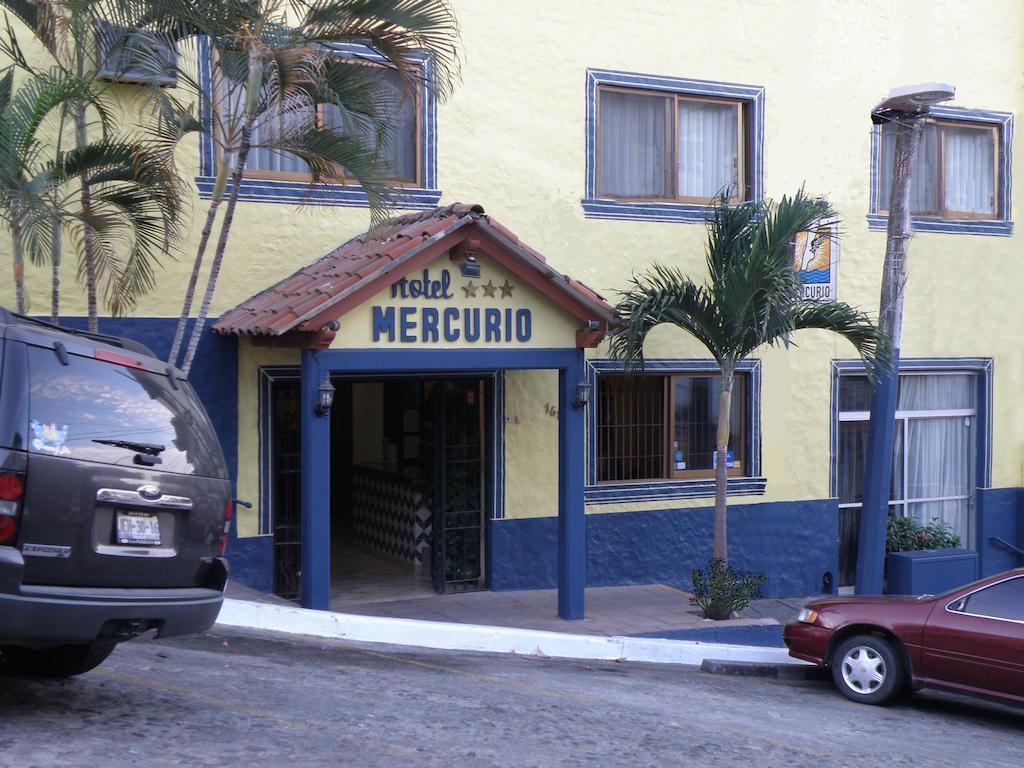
956,170
654,145
665,427
933,454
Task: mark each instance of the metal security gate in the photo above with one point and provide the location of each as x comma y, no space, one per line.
457,549
285,473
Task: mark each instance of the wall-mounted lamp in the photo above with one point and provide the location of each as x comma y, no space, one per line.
582,395
470,267
324,398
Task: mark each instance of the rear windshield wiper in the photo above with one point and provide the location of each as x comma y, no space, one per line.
150,449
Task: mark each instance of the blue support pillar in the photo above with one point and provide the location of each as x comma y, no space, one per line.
316,489
874,513
572,533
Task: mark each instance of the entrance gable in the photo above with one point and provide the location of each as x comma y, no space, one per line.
384,268
437,307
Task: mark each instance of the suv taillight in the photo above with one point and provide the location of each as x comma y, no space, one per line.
229,507
12,489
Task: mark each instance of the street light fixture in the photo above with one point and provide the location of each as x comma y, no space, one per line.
905,108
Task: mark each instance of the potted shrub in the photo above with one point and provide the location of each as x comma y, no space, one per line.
925,559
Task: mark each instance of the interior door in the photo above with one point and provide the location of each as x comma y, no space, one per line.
458,487
977,641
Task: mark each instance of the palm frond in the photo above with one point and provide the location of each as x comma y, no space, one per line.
871,343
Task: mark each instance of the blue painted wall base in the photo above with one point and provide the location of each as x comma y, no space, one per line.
793,543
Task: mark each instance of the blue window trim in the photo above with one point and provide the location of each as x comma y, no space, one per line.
595,207
1002,226
343,195
267,376
980,366
665,490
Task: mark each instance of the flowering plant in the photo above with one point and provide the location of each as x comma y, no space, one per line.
905,534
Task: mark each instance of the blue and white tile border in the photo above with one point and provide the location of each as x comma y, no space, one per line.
606,208
1002,226
344,195
980,366
667,490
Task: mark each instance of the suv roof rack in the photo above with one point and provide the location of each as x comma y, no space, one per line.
13,318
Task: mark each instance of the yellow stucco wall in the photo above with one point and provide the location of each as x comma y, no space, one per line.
512,139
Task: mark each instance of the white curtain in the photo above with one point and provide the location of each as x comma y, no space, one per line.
924,185
633,153
708,161
292,120
969,169
939,449
398,149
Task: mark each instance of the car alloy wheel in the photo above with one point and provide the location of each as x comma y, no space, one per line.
867,669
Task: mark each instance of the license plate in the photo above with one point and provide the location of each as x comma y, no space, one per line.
138,528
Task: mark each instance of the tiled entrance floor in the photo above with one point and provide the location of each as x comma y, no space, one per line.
358,577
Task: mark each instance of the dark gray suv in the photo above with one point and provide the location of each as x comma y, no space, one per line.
115,502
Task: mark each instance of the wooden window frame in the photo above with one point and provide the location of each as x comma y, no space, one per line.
740,452
741,385
940,171
415,183
672,99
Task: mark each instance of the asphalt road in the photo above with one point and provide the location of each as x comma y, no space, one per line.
245,700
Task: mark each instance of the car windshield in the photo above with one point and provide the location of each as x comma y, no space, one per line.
108,413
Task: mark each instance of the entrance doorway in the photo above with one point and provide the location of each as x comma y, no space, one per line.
410,481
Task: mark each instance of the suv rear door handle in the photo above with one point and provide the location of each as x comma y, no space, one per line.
123,496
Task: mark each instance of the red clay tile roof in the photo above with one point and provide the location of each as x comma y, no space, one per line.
302,301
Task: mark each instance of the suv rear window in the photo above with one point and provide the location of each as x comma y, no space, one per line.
79,410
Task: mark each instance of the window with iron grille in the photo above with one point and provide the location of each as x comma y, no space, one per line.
661,427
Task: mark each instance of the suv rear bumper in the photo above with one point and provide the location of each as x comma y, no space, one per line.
44,614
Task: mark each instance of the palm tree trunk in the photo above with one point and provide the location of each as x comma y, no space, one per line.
720,545
19,267
55,267
186,307
88,236
254,84
222,242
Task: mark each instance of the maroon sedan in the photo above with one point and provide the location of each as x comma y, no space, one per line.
968,640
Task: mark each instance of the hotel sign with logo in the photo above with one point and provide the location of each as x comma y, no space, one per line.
816,261
447,312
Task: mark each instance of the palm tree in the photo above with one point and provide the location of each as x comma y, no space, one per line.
133,185
752,299
277,70
132,208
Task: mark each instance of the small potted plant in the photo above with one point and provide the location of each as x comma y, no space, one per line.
925,559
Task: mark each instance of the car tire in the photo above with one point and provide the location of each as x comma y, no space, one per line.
868,669
56,661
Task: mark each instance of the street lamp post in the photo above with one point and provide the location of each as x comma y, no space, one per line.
905,108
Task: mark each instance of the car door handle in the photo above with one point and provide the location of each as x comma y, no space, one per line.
125,496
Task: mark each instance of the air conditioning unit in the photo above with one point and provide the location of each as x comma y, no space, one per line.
135,56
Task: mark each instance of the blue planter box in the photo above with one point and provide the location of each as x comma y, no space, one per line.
930,571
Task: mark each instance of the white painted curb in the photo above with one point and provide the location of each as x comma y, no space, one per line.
475,637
